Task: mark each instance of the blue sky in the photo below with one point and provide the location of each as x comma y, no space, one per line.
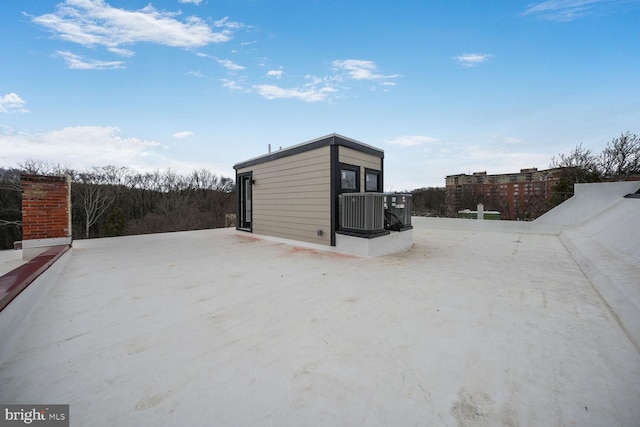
443,87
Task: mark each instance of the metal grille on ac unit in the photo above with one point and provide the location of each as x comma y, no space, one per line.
362,213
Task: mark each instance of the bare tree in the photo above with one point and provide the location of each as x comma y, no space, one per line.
621,157
114,175
95,197
39,167
10,207
579,163
579,166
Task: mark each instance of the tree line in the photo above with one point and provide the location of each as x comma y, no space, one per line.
429,201
618,161
113,201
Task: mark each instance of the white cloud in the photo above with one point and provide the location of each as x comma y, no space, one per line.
230,25
84,147
121,52
230,65
196,2
96,23
196,73
327,88
565,10
410,140
12,103
274,73
303,94
76,147
77,62
472,59
358,69
234,85
183,134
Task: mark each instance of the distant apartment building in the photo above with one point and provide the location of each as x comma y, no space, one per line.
524,195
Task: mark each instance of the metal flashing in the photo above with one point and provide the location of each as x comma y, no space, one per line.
329,140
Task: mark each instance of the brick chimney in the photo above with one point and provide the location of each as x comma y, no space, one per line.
46,213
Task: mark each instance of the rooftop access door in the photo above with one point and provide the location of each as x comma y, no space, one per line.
245,190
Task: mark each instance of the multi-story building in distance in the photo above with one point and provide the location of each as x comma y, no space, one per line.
524,195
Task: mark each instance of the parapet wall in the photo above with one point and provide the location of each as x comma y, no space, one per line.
601,230
588,201
607,249
461,224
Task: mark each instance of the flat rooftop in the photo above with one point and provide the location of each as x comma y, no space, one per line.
10,260
221,327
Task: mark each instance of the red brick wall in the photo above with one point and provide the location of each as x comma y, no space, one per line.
45,207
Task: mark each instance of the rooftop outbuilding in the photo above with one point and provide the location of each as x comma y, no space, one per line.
294,193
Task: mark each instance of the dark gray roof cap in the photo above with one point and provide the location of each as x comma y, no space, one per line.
332,139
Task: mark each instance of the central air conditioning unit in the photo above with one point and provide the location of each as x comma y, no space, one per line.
397,212
362,214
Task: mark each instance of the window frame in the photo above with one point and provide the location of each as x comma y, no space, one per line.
378,175
351,168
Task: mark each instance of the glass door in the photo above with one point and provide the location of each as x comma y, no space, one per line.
245,200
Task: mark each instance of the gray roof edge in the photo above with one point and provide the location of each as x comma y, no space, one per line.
331,139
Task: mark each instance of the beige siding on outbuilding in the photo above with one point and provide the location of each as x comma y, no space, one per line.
292,196
358,158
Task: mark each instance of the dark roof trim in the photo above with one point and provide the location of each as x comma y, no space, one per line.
333,139
17,280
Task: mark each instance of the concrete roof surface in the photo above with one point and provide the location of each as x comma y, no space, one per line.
220,327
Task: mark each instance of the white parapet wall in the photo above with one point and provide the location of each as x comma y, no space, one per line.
396,242
462,224
588,201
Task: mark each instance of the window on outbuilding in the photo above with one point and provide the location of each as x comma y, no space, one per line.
349,178
372,180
